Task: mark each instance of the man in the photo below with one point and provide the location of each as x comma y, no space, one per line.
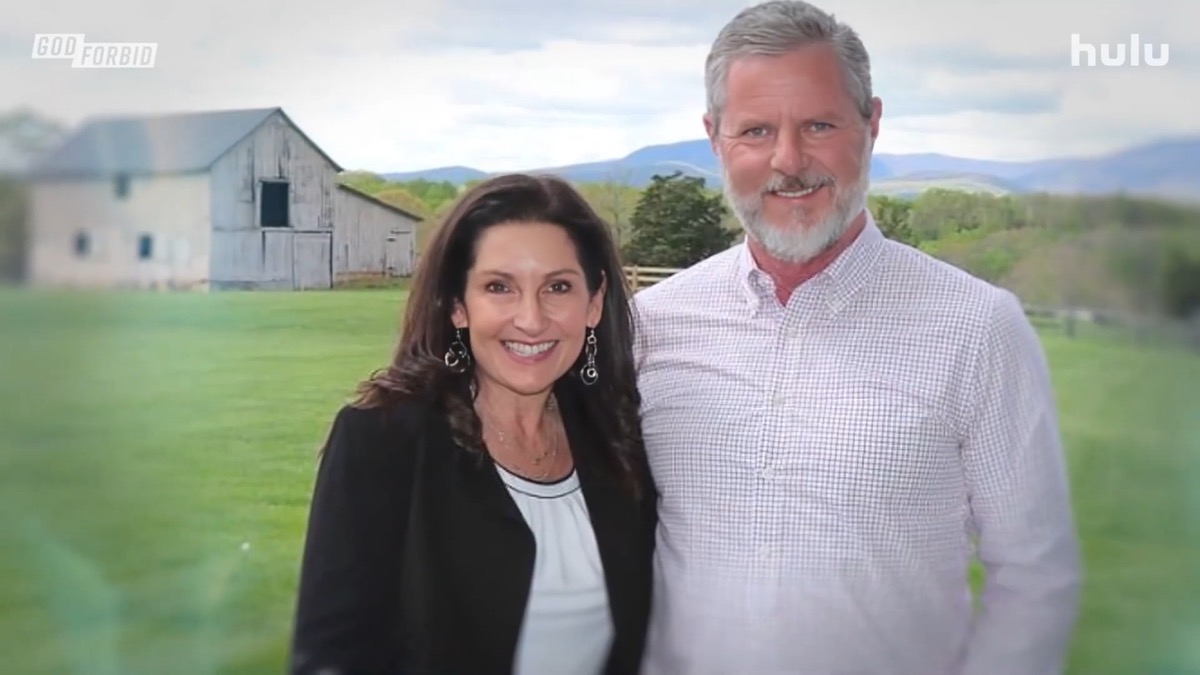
837,422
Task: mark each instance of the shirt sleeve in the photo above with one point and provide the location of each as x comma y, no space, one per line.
1020,506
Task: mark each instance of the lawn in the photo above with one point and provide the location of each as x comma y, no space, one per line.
157,452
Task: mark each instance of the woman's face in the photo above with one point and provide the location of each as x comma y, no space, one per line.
526,306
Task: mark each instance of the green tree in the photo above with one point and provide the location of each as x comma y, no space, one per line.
434,193
892,214
1181,285
364,181
614,202
677,223
401,198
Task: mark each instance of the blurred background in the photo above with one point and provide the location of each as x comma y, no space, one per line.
201,258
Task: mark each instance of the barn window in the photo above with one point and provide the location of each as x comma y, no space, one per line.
121,186
145,247
273,209
83,244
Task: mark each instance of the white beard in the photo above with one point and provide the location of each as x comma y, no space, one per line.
802,239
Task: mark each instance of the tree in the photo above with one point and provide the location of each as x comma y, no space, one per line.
403,199
428,227
614,202
364,181
434,194
892,215
1181,285
677,223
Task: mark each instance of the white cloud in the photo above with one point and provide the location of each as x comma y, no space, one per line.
388,85
566,103
220,54
1015,27
1098,110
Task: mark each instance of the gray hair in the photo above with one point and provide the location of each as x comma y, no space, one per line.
780,26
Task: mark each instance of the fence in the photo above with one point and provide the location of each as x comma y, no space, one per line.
641,277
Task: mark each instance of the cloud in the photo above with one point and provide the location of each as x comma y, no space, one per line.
524,24
1098,111
224,53
943,89
1012,29
603,75
389,86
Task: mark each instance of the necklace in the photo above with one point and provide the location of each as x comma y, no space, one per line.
547,456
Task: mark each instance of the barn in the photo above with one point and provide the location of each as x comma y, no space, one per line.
233,199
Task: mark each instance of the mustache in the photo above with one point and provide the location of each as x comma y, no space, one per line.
784,183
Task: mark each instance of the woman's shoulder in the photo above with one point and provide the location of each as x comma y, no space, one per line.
377,432
381,418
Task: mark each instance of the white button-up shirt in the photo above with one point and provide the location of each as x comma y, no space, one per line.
828,469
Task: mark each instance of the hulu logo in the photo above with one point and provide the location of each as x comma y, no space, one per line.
1132,54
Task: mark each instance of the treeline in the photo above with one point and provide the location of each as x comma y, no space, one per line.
1110,252
1106,253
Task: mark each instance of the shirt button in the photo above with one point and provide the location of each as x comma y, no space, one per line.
779,400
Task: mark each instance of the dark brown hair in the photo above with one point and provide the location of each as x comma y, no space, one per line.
611,406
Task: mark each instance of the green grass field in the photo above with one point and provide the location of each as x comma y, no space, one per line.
157,452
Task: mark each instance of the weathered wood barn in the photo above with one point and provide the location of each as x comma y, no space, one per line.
211,200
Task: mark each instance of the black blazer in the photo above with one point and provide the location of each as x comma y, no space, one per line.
418,561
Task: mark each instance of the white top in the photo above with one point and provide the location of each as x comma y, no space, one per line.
824,467
568,628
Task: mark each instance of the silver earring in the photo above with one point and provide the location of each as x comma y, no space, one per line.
588,373
457,357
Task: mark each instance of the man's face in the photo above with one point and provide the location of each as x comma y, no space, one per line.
795,152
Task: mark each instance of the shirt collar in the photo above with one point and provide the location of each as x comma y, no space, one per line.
841,279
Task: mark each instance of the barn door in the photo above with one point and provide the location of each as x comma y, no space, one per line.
395,252
312,261
277,258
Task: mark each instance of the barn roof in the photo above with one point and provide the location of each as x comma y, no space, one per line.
172,143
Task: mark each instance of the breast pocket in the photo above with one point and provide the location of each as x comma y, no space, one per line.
871,445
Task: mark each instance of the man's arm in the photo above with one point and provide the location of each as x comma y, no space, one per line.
1020,503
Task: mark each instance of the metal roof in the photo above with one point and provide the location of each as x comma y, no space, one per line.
174,143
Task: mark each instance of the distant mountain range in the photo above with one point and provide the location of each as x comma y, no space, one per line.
1169,168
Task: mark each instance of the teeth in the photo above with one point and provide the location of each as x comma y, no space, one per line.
802,193
527,350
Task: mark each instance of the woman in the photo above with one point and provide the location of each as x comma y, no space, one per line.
484,506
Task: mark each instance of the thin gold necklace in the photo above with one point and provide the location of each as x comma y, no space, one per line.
548,456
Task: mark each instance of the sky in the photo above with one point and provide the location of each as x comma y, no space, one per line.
399,85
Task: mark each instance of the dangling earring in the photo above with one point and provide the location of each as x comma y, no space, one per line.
457,357
588,373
